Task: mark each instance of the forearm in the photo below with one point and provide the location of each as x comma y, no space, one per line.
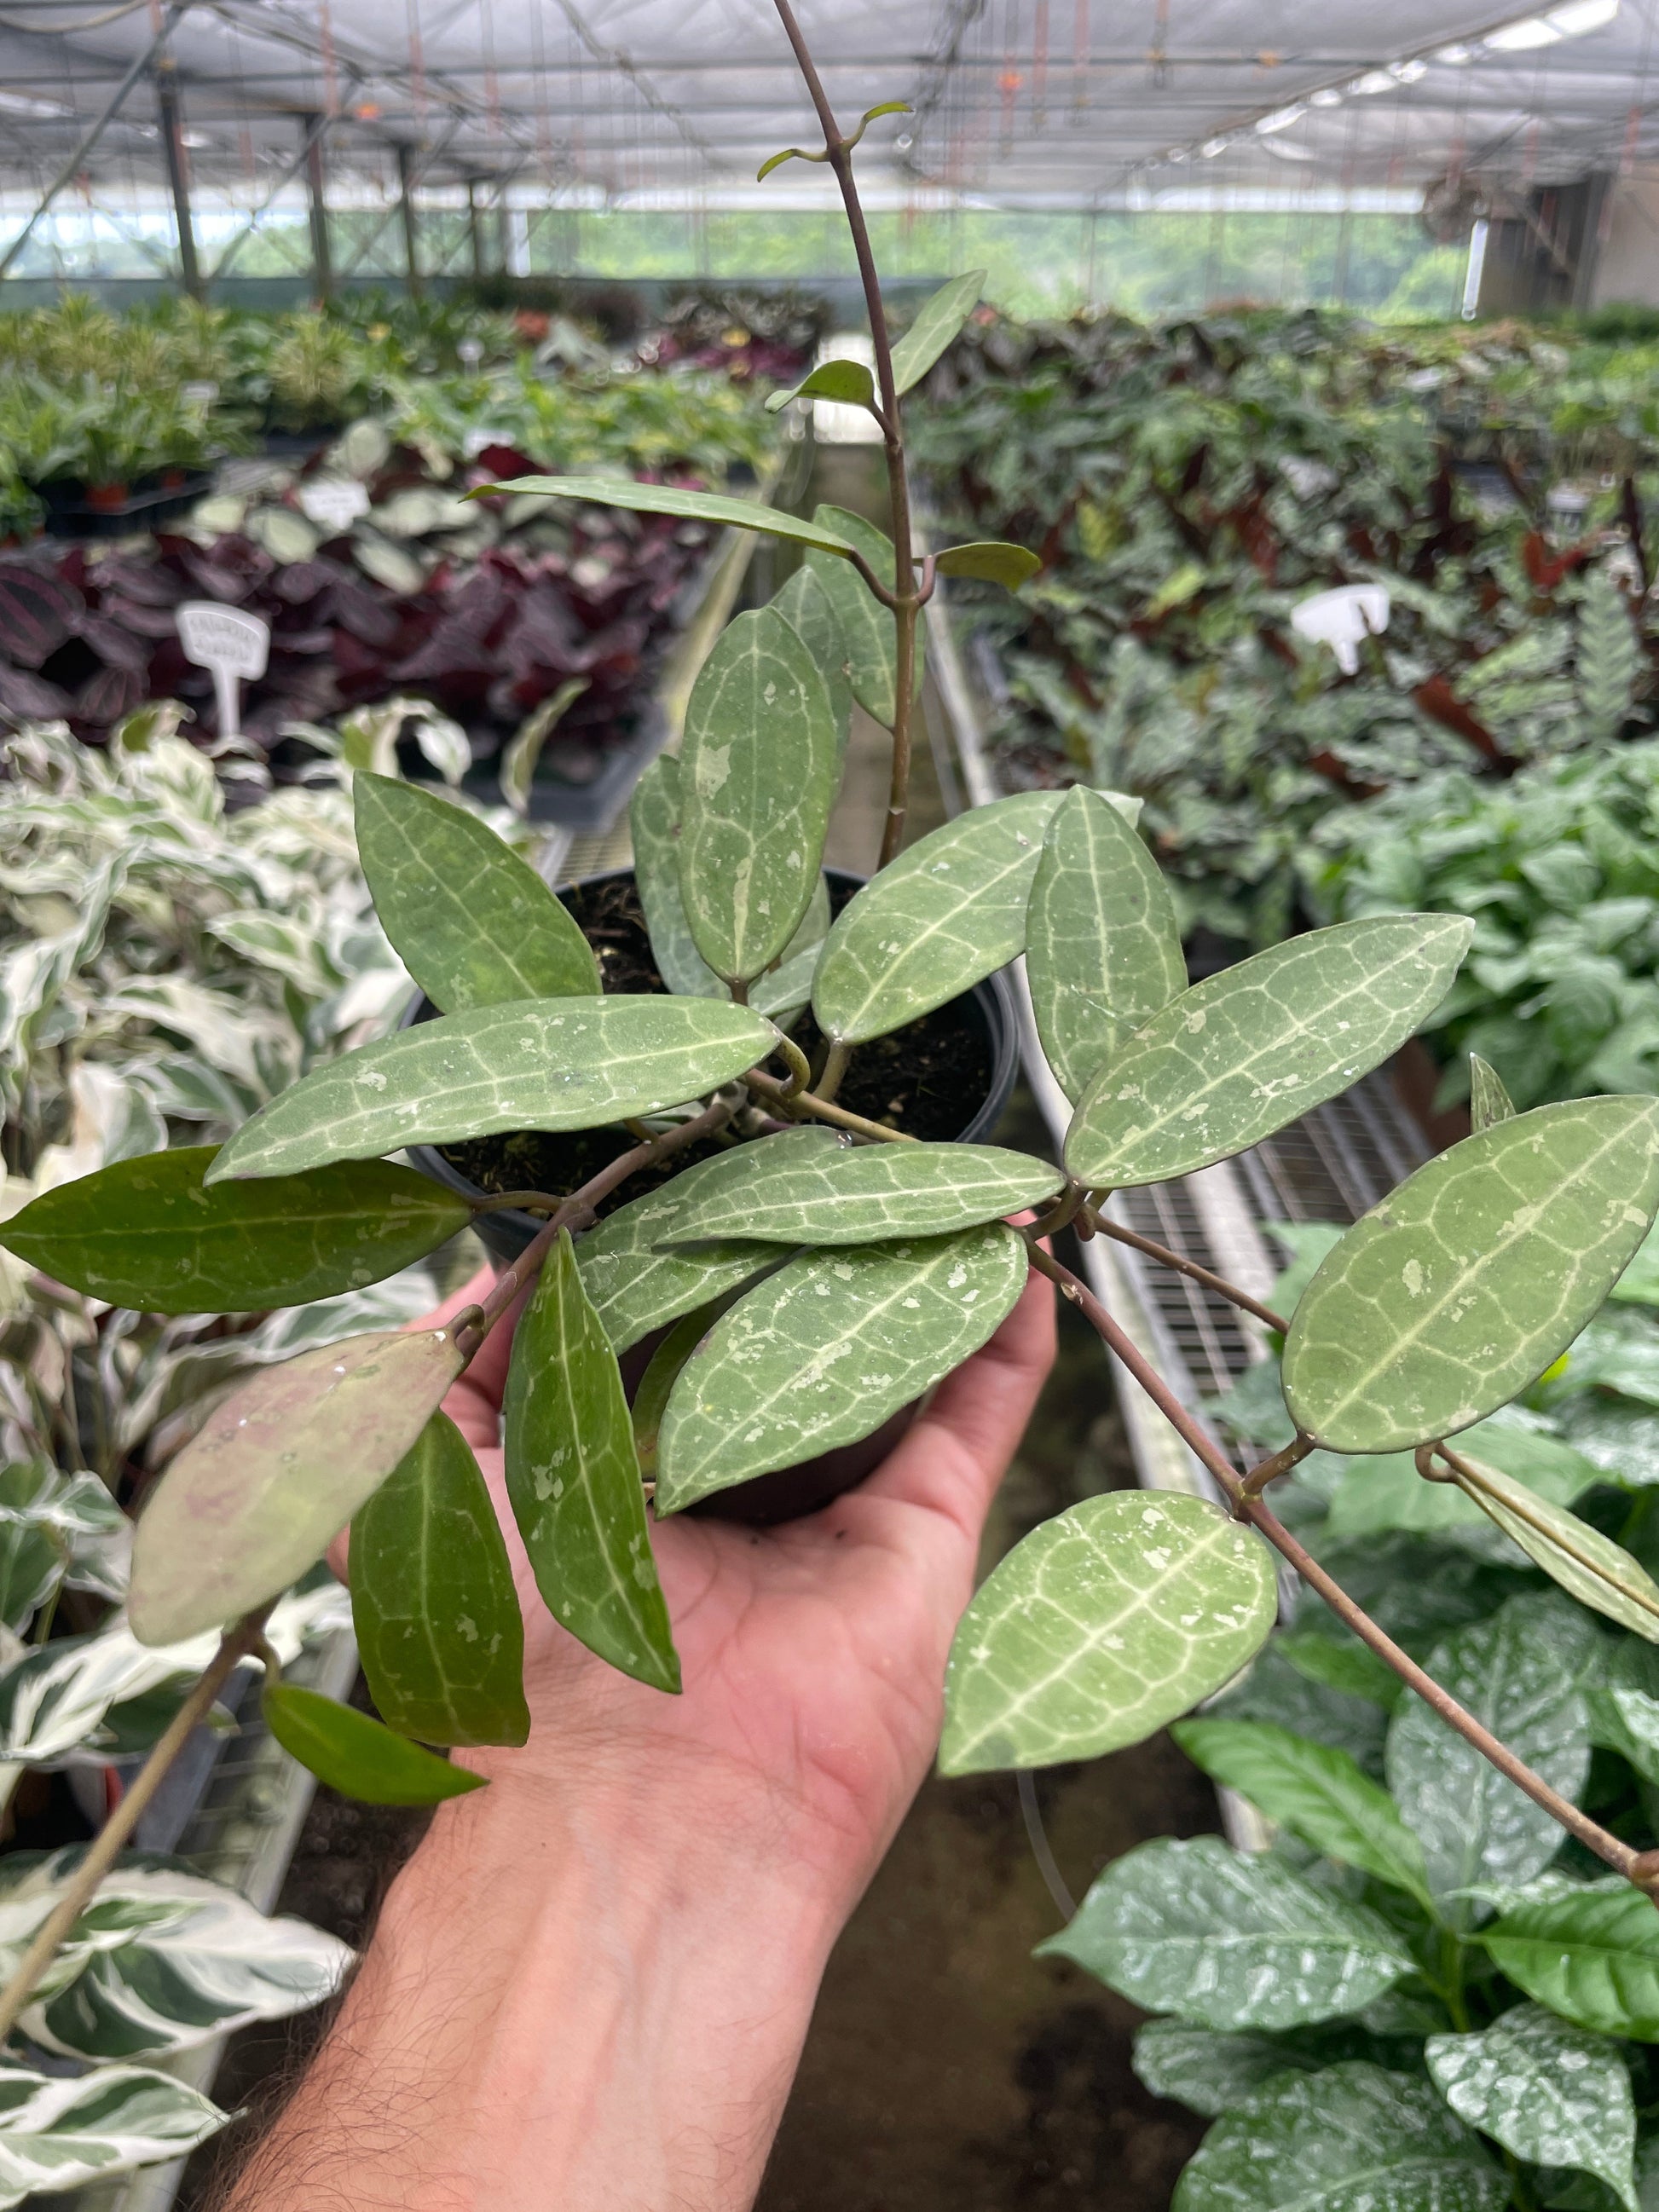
562,2007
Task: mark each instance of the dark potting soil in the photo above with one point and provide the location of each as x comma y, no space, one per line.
928,1078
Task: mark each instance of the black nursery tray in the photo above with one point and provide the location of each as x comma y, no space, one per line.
149,510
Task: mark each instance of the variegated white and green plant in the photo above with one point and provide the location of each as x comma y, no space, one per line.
819,1270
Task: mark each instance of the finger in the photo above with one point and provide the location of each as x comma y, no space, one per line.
959,1448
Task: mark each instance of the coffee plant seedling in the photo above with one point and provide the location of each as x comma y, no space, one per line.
814,1286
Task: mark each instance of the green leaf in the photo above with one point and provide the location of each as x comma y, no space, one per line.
869,638
758,770
1353,2138
1247,1051
783,991
669,499
147,1234
1341,1663
1553,2093
948,912
638,1282
159,1961
1591,1955
1624,1705
662,1372
1588,1566
473,923
808,608
774,161
1473,1824
847,381
989,560
1488,1100
515,776
937,323
1224,1939
1472,1277
55,2133
1103,942
857,1194
653,822
574,1479
1104,1624
433,1603
823,1351
1316,1792
548,1064
275,1471
1210,2072
356,1755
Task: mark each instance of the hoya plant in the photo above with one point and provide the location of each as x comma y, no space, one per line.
814,1268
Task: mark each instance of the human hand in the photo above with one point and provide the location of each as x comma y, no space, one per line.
812,1653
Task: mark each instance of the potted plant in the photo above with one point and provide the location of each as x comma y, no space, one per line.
813,1287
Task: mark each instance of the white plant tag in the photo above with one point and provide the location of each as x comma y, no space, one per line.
1340,619
333,502
233,644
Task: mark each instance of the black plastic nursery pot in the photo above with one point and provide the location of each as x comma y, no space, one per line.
948,1077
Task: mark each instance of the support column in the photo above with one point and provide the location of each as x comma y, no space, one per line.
406,212
312,128
166,107
475,226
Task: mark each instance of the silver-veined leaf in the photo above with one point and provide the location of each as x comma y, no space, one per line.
821,1352
937,320
1104,1624
1553,2093
758,770
638,1282
57,2133
1472,1277
437,1618
1103,942
670,499
653,822
1352,2138
807,608
1473,1824
1226,1940
472,922
275,1471
1314,1789
868,637
1208,2070
1591,1954
542,1064
861,1194
160,1959
1588,1566
149,1234
947,913
989,560
1488,1100
1248,1050
573,1477
849,383
355,1754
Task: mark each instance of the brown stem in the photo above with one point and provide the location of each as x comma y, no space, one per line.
1269,1470
904,599
1064,1210
1633,1865
521,1201
469,1334
1103,1223
234,1646
805,1102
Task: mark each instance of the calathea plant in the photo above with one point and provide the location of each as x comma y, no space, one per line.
812,1288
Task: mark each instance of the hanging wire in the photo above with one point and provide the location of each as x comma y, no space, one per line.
1037,1836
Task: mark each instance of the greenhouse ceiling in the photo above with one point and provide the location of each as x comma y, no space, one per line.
1032,103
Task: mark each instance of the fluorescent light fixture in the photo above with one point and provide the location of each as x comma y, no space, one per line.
1326,96
1211,147
1455,57
1580,15
1408,72
1281,119
1521,38
22,103
1374,81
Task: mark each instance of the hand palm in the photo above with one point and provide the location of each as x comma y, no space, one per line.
813,1654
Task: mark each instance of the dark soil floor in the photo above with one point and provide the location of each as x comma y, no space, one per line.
947,2069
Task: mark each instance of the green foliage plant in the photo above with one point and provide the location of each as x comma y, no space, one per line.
815,1291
